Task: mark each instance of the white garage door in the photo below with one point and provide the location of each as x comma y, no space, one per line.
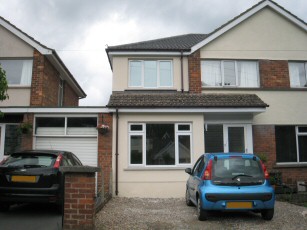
85,148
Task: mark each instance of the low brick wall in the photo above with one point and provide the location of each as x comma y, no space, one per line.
79,197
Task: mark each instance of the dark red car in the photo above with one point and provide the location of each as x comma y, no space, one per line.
34,177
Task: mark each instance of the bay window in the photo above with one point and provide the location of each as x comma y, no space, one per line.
18,72
218,73
298,74
150,73
160,144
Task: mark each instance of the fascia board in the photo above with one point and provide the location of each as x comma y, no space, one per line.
50,110
145,53
191,110
25,38
244,17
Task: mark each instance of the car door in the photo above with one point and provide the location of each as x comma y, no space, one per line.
193,181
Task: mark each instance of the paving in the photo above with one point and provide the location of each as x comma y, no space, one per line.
139,213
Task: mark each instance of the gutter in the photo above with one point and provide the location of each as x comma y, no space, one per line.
181,66
116,154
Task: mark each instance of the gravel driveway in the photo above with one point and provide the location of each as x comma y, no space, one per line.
137,213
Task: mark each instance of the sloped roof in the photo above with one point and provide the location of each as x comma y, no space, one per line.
174,43
183,100
51,54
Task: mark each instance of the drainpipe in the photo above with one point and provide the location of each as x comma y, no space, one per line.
116,155
181,65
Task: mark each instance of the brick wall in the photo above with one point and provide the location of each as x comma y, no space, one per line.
45,84
105,153
274,74
194,72
27,139
264,143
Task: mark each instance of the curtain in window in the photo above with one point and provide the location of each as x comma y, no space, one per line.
211,73
165,74
297,74
26,73
150,73
248,74
135,73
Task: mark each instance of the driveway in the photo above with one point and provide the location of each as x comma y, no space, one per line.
137,213
31,217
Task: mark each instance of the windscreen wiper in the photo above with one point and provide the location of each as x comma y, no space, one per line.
244,175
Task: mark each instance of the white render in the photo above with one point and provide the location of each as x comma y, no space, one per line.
18,96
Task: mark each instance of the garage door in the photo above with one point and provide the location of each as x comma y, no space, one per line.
85,148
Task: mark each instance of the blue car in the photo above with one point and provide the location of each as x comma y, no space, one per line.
230,182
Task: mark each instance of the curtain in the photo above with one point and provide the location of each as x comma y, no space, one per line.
248,76
297,74
211,73
26,73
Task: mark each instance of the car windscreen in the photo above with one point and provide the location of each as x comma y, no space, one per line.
237,171
30,160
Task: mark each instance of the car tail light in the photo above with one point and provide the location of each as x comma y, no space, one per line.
266,174
208,170
58,161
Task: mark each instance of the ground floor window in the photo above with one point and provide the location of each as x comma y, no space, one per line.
164,144
291,144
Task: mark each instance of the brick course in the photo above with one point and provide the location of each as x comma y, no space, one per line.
274,74
194,72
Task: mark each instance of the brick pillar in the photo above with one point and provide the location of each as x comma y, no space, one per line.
105,153
194,72
27,139
274,74
79,197
37,79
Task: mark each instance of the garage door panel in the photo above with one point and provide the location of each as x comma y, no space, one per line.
85,149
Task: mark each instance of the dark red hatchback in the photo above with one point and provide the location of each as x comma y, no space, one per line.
34,177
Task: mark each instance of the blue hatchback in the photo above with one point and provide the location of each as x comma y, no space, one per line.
230,182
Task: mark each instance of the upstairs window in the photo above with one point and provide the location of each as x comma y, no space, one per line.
298,75
18,72
216,73
150,74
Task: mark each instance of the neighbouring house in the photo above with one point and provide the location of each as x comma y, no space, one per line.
241,88
42,111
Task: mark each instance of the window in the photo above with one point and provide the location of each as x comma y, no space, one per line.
291,144
216,73
18,72
214,142
150,74
298,75
160,144
12,139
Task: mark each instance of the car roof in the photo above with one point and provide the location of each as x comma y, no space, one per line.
230,154
42,151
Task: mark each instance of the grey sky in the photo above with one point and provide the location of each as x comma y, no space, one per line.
80,29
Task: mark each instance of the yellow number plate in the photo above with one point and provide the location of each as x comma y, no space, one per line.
235,205
28,179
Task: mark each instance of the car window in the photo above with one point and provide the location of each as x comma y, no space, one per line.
30,160
199,167
77,161
196,165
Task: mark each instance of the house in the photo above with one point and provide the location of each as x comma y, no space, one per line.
241,88
44,97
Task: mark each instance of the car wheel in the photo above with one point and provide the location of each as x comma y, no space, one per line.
267,214
187,198
201,214
4,207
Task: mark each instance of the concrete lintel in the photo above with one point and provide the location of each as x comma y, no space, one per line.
79,169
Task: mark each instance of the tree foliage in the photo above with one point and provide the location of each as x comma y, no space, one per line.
3,85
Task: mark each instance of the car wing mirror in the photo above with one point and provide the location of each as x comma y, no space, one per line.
188,171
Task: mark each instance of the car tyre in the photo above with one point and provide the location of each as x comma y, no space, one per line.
188,198
4,207
267,214
201,214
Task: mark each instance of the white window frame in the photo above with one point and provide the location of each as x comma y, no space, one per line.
236,72
143,134
297,134
305,67
158,74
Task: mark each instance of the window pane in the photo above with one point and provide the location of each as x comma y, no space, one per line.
285,144
211,73
136,149
18,72
184,149
297,74
302,146
50,125
236,139
136,127
229,73
247,74
160,144
12,139
150,73
81,125
214,139
135,73
184,127
165,73
302,129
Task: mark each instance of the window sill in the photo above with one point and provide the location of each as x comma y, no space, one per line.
157,168
290,165
19,86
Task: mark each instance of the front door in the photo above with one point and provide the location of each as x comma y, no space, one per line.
234,138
